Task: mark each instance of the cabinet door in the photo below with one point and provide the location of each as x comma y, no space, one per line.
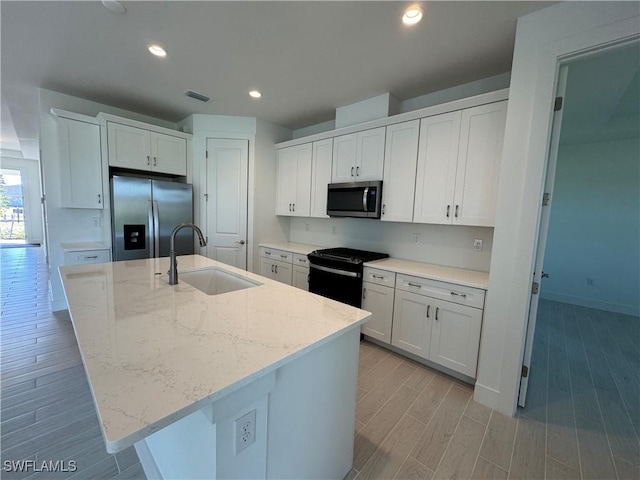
286,181
267,268
411,326
301,277
283,272
344,158
320,176
436,172
302,198
455,337
400,158
370,155
479,158
129,147
168,154
81,164
379,301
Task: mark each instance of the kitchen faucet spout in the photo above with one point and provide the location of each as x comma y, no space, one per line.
173,261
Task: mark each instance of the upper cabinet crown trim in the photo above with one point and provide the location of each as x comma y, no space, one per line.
146,126
58,113
485,98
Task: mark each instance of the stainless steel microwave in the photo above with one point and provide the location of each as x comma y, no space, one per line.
358,199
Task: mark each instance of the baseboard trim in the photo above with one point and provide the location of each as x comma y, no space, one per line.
591,303
487,396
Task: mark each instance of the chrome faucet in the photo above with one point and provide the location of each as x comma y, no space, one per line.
173,261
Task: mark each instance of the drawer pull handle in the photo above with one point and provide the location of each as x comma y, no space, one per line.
414,285
437,310
428,309
272,268
283,256
463,295
276,269
89,257
304,260
377,276
364,293
267,253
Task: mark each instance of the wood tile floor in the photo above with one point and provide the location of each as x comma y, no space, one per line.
46,408
581,420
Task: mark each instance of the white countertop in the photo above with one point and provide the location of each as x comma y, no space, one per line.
81,246
300,248
460,276
155,353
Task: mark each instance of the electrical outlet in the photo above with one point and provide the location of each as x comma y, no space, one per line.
417,239
477,244
591,282
245,428
306,227
333,230
97,221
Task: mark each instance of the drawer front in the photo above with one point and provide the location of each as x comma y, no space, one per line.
87,256
300,260
275,254
379,277
472,297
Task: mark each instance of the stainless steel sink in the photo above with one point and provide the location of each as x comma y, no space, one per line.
214,281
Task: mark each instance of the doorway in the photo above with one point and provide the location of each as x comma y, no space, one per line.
227,166
583,340
12,209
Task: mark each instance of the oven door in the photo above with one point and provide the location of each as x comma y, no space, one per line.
340,285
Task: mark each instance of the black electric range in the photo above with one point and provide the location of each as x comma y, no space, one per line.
336,273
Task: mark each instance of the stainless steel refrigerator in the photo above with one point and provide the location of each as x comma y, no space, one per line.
144,212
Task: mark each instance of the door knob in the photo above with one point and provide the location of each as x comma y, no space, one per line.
241,242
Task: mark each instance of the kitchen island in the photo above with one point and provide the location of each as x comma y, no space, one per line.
259,382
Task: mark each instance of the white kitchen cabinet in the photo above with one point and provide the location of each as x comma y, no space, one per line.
276,270
293,188
139,149
80,164
301,277
378,300
458,169
455,336
321,159
358,157
400,159
412,323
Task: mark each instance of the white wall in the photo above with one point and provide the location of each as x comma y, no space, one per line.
30,172
71,224
594,229
440,244
541,39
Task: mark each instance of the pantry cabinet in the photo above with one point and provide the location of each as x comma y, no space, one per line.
400,158
140,149
80,158
358,157
293,185
458,168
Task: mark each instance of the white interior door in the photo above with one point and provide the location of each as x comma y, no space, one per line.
542,234
227,171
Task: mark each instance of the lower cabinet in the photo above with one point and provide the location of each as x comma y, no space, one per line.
378,300
276,270
284,266
411,323
301,277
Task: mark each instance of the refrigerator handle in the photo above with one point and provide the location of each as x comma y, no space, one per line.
152,229
156,230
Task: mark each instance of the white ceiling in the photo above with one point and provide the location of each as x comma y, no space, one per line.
306,57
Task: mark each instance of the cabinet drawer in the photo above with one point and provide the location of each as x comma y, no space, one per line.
380,277
472,297
300,260
275,254
87,256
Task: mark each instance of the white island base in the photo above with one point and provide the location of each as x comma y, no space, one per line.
304,428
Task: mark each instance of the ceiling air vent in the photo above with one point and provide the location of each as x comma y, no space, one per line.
197,96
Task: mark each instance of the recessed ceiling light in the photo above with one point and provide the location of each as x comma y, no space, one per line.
157,50
114,6
255,94
412,15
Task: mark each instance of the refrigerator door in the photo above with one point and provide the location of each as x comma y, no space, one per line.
174,205
131,208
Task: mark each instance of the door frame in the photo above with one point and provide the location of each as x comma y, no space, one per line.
543,39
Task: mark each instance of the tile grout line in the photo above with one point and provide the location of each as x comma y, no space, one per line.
484,435
573,410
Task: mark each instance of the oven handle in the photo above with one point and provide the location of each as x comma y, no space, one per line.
336,271
365,198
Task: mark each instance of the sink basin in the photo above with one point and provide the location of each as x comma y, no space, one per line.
214,281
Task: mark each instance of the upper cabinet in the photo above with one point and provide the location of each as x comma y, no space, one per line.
139,149
293,189
459,165
81,164
322,152
358,157
398,183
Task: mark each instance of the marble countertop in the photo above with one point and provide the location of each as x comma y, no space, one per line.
300,248
155,352
460,276
81,246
